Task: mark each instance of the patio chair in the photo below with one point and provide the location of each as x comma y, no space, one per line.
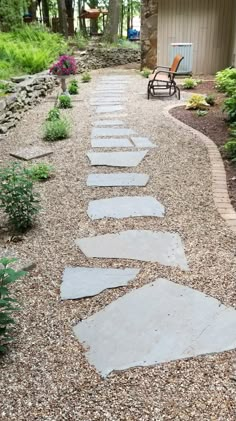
164,79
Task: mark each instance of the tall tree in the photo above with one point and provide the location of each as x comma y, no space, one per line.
62,17
45,8
111,32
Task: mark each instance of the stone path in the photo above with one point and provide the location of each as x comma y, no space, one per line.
163,320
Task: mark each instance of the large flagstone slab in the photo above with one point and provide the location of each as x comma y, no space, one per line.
79,282
142,142
111,131
108,123
31,152
107,103
149,246
158,323
111,143
109,109
125,207
116,159
117,180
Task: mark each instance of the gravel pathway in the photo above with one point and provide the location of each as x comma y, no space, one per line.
46,375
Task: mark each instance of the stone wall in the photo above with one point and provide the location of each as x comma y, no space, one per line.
149,14
100,57
26,91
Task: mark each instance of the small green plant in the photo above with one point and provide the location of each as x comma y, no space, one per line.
201,113
146,72
65,101
197,102
210,99
73,87
17,197
7,304
230,149
56,130
53,114
86,77
40,172
230,108
189,83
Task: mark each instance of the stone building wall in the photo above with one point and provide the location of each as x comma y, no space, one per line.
149,12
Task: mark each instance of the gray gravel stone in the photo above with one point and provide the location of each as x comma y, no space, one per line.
116,159
117,179
82,282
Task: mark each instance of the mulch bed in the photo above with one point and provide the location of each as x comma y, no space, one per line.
214,126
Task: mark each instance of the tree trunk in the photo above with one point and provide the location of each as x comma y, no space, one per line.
62,17
45,8
112,21
128,16
32,9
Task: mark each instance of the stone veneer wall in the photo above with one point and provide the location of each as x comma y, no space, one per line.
99,57
26,93
149,14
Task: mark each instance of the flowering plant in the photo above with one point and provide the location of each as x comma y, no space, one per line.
65,66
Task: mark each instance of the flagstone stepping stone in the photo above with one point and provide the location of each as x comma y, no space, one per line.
149,246
116,159
31,152
111,131
108,101
142,142
125,207
111,143
117,180
108,123
158,323
109,109
82,282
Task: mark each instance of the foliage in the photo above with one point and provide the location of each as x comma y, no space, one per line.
197,102
73,88
40,172
57,129
7,304
189,83
226,81
17,197
11,12
230,107
29,49
81,40
65,101
86,77
146,72
65,66
230,148
202,113
210,99
54,114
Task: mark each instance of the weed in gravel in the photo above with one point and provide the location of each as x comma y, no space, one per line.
73,88
86,77
146,72
56,129
53,114
40,172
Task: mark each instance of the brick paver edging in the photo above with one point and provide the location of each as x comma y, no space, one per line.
219,184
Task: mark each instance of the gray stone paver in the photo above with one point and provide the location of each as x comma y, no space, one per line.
79,282
108,123
111,143
111,131
149,246
116,159
31,152
108,109
117,180
158,323
125,207
142,142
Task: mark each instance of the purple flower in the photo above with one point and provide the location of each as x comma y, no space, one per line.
66,65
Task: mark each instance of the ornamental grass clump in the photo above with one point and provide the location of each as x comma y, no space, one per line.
73,88
57,129
65,66
17,198
189,83
8,305
86,77
65,101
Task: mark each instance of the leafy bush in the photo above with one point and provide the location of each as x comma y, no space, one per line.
230,148
197,102
226,81
210,99
189,83
64,101
230,108
56,130
53,114
86,77
146,72
40,172
7,304
73,87
17,197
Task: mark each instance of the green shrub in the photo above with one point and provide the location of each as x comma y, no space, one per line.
201,113
189,83
65,101
40,172
226,81
17,197
197,102
56,130
146,72
86,77
210,99
230,108
230,148
54,114
73,87
7,304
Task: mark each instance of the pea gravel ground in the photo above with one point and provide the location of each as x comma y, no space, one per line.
45,376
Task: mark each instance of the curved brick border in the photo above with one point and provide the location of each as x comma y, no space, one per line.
219,184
